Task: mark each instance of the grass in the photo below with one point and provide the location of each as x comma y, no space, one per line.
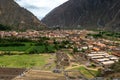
86,73
24,61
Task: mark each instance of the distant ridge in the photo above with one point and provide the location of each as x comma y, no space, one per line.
86,14
17,18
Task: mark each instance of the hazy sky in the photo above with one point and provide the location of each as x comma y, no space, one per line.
40,7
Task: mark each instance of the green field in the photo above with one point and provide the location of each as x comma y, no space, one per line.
24,61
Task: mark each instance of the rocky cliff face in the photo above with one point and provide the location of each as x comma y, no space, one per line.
11,14
90,14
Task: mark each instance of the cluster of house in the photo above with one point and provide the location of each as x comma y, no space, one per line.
34,33
54,34
99,51
27,34
102,58
46,33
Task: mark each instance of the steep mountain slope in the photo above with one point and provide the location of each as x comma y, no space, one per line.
11,14
90,14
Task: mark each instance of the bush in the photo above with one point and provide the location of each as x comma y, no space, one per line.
93,65
33,51
3,27
116,67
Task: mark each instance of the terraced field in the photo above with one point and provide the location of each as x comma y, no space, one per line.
23,74
41,75
10,73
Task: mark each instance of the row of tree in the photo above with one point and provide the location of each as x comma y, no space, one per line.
11,44
106,33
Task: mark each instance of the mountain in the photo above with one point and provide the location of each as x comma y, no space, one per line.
89,14
16,17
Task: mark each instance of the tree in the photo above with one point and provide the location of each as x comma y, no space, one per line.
75,50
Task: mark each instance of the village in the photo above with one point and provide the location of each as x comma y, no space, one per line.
80,49
100,51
